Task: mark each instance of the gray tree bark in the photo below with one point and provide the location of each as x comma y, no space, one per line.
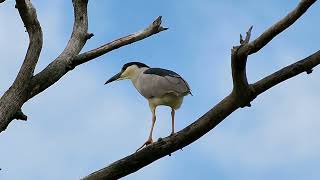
27,84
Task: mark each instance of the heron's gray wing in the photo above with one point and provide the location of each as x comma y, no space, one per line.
158,82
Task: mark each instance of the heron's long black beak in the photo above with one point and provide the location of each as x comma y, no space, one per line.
115,77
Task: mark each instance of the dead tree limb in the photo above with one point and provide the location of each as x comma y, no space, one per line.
242,94
154,28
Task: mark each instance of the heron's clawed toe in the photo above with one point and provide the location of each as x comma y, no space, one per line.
148,142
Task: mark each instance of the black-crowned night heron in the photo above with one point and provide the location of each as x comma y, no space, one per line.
159,86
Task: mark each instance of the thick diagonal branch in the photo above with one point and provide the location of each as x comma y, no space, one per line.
13,99
168,145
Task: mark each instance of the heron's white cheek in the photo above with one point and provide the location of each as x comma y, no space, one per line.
129,73
125,75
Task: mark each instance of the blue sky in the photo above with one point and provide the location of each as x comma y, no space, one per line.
79,125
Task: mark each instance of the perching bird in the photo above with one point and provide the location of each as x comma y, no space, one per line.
158,86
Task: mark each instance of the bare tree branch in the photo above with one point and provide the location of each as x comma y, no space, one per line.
167,145
304,65
29,18
242,94
13,99
154,28
277,28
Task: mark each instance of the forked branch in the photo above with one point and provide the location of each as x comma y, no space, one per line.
241,87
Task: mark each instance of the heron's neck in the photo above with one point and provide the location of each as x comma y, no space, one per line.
135,76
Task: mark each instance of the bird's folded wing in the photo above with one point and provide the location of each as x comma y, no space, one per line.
158,82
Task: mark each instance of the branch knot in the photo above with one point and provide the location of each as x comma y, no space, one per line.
19,115
89,35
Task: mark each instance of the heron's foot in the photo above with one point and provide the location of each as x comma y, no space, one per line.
148,142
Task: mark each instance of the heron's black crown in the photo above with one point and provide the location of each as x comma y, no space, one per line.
139,64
